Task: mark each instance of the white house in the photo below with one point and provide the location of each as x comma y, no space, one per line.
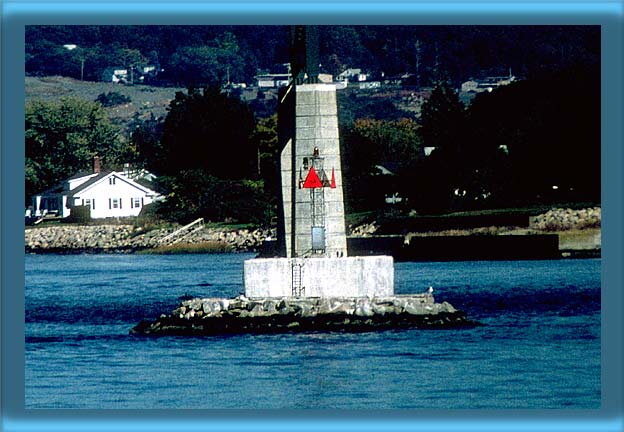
352,74
487,84
105,193
116,74
370,85
272,80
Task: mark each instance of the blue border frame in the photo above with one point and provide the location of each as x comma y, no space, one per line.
17,14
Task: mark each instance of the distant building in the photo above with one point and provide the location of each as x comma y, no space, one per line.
429,150
401,79
116,74
352,75
283,79
341,85
122,75
393,198
388,184
273,80
369,85
105,193
148,72
487,84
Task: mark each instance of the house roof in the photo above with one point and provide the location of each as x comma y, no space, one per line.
145,183
60,188
80,175
89,182
57,189
103,176
388,168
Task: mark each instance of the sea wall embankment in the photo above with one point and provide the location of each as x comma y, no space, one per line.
559,232
73,238
548,235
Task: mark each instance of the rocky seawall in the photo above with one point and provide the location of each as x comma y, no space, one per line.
568,219
128,238
125,238
214,316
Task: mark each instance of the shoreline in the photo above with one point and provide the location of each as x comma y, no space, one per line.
558,233
464,247
127,238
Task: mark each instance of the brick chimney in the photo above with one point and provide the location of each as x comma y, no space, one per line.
97,166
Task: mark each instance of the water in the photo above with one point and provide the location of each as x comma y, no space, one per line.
539,348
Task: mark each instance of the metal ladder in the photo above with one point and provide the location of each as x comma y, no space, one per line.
297,289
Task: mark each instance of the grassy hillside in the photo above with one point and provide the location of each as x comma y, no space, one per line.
144,100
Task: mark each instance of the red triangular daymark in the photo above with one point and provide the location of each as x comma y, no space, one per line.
312,180
333,180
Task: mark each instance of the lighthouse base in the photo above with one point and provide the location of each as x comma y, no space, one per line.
369,276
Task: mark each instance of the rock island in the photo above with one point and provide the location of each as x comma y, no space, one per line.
311,284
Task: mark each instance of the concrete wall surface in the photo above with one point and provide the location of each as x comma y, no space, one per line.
309,112
371,276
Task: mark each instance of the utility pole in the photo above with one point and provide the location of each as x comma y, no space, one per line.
436,64
417,49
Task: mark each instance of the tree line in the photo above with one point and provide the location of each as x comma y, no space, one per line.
532,142
214,55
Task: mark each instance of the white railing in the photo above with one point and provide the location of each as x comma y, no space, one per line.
183,232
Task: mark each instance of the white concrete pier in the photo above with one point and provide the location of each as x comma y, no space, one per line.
370,276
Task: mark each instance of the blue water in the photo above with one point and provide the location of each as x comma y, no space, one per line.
539,348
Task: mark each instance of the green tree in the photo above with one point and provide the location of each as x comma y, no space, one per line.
538,133
341,48
145,138
265,138
62,137
192,194
443,118
208,130
209,65
444,128
130,57
208,158
112,99
396,145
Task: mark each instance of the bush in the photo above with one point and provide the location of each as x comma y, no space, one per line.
194,194
80,214
112,98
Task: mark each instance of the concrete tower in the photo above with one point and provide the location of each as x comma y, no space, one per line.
313,223
312,241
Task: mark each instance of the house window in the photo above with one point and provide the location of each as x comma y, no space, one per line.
111,180
135,202
114,203
87,203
